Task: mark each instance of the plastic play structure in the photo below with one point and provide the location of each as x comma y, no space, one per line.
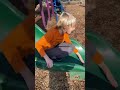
56,7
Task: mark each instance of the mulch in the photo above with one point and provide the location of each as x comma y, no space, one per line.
105,20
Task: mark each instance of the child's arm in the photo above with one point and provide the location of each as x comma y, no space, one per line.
42,52
108,75
67,40
98,59
48,61
28,77
80,57
43,43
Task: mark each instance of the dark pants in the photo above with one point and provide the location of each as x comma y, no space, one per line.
60,51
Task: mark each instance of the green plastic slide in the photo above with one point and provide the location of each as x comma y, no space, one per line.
94,75
10,84
70,63
9,18
8,78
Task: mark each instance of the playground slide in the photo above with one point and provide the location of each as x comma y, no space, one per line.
10,84
70,63
9,18
8,78
111,58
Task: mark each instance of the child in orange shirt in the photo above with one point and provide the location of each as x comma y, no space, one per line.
92,53
20,39
55,44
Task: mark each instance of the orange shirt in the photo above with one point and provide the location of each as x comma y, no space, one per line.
97,57
19,39
51,39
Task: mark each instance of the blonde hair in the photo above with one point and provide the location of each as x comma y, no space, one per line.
66,19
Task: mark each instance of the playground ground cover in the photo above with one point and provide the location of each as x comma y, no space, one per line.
105,20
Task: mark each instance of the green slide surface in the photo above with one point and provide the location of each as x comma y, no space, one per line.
7,83
9,18
9,80
70,63
111,58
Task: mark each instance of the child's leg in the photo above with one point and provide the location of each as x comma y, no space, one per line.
60,51
108,75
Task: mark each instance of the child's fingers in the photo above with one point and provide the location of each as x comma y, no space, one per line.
114,84
48,66
51,65
82,61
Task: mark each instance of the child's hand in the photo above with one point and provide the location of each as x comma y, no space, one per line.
81,59
108,74
49,63
114,84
